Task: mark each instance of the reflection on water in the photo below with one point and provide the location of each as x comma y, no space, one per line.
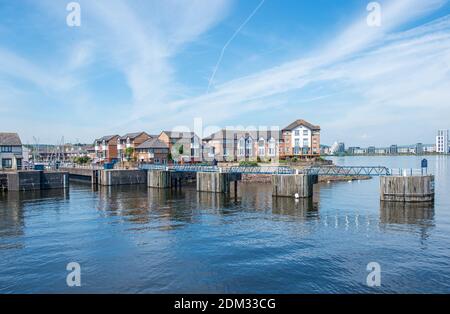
407,213
155,240
418,215
304,208
12,217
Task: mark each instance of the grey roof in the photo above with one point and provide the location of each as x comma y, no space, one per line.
255,134
176,134
153,143
299,122
131,135
106,138
11,139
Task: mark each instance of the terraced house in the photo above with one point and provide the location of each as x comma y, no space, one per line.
238,145
10,151
153,151
183,146
130,141
300,139
106,148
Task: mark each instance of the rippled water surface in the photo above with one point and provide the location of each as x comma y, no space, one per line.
134,239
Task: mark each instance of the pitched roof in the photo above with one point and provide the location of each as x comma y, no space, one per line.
132,135
230,134
299,122
176,134
106,138
152,143
11,139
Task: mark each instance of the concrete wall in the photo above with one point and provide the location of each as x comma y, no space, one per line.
215,182
159,179
292,184
3,181
54,180
24,180
85,172
37,180
122,177
407,189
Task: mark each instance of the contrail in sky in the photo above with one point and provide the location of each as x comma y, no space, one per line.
211,79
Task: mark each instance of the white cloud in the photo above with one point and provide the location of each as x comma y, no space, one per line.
385,67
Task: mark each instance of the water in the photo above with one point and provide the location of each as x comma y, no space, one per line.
134,239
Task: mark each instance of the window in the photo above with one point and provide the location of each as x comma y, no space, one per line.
7,163
261,147
297,142
6,149
272,147
297,132
249,147
241,147
305,132
305,142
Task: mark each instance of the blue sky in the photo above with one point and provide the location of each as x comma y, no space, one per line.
148,65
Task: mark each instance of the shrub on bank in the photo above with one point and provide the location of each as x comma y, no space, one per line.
248,164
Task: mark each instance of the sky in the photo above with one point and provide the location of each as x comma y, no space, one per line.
151,65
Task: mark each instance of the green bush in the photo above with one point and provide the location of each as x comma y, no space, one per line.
248,164
81,160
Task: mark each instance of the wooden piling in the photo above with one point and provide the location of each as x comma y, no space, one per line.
407,188
293,185
159,179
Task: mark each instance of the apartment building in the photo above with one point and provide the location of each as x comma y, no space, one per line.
443,142
238,145
10,151
130,140
300,139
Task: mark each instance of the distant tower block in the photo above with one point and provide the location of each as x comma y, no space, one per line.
407,188
293,185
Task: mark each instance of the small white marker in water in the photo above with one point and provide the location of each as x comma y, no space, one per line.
296,195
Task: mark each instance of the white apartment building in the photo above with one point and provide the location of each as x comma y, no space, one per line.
442,142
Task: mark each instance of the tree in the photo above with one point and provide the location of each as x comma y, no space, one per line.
129,152
81,160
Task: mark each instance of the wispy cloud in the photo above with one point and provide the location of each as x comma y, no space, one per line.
236,32
372,62
367,76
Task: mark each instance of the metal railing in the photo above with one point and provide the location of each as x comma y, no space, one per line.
323,170
409,172
347,171
260,170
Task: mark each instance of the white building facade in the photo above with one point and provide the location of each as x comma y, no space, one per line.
10,151
442,142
